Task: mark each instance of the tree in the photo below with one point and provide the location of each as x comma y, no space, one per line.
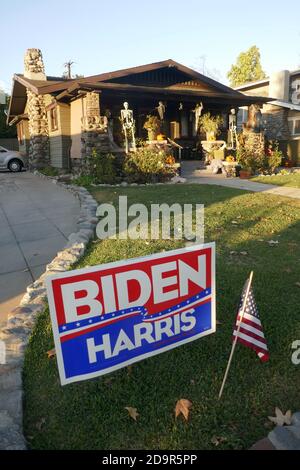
247,68
5,130
202,68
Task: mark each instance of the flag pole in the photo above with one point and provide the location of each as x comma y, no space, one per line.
236,336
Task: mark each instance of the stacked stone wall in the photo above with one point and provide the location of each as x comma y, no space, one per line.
38,131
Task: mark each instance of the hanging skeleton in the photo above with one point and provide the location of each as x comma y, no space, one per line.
161,109
198,110
128,125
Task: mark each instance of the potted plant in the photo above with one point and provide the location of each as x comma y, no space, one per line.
152,125
210,125
245,173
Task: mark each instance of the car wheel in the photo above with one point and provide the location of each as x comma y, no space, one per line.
15,166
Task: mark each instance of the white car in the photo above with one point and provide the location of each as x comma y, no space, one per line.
12,160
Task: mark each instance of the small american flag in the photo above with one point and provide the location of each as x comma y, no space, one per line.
250,333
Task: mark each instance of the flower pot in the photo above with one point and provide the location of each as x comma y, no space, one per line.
151,135
245,174
210,136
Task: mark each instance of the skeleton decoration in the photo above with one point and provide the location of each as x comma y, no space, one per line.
161,109
232,129
128,125
197,111
180,106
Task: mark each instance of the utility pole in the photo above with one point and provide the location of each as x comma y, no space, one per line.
68,67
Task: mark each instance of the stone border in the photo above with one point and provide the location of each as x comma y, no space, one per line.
68,177
15,335
282,437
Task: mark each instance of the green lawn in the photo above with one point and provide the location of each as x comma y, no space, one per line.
292,180
91,414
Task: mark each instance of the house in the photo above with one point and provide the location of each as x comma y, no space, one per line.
59,121
281,118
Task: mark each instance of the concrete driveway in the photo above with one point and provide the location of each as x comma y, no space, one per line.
36,218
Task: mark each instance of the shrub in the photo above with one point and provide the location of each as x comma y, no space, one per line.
273,158
147,165
49,171
152,124
260,160
84,180
102,167
250,160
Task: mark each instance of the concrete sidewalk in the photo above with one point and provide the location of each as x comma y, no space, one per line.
194,173
36,218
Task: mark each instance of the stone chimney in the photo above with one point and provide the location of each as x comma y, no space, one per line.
279,85
34,65
36,110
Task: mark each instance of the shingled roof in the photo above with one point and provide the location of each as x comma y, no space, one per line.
120,80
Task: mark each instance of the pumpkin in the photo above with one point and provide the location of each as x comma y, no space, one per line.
170,160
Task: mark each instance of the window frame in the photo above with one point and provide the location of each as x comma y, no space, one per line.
293,126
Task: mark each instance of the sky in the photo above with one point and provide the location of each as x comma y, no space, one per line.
106,35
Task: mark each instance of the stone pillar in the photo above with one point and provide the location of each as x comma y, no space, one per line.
94,134
38,131
254,142
36,109
253,135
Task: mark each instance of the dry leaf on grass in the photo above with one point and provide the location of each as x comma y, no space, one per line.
51,353
297,284
183,407
132,412
217,440
280,419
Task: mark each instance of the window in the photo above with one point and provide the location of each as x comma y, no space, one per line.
53,119
297,126
242,117
21,133
294,125
184,125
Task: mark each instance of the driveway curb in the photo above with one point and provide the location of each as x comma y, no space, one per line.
15,335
